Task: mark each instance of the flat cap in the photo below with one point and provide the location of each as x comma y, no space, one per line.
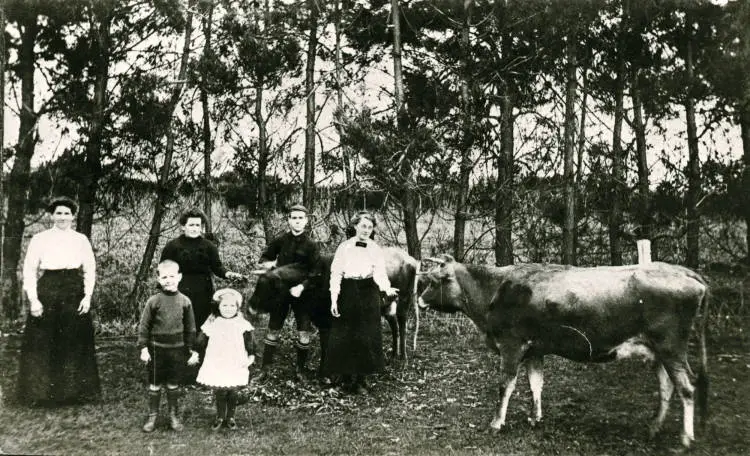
298,208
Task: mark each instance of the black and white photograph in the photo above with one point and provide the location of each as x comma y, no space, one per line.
374,227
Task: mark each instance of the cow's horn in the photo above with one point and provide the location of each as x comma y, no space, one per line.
258,271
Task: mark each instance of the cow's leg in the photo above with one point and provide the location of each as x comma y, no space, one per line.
666,388
511,355
401,320
535,371
508,386
393,324
678,371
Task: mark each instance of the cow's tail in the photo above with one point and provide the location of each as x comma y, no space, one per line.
415,300
702,381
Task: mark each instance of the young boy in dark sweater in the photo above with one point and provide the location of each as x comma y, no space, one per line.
166,335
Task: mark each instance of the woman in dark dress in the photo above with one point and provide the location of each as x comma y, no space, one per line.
199,261
358,276
58,362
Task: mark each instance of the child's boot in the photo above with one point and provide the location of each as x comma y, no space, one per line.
154,397
231,406
173,398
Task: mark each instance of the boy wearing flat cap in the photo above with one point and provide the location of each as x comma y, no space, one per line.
294,246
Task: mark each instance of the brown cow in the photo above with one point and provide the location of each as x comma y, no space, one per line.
583,314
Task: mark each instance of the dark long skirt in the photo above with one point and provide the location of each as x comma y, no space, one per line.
355,343
200,289
58,362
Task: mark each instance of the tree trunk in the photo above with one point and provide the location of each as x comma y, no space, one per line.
18,179
408,195
745,128
7,311
568,244
581,146
467,133
347,164
87,189
164,189
693,169
505,186
207,142
308,189
345,153
639,127
618,164
262,197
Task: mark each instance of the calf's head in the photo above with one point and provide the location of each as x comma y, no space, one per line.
440,287
273,286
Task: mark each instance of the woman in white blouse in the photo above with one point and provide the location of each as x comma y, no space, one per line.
358,276
58,363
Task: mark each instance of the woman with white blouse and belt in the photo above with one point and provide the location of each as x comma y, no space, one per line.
58,363
358,276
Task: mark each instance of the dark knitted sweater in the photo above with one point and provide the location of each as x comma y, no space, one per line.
167,321
288,249
195,256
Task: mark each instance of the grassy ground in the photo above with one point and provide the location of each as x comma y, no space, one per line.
441,402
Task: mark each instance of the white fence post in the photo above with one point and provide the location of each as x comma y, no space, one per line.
644,251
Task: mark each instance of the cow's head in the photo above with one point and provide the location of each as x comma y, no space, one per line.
272,287
440,288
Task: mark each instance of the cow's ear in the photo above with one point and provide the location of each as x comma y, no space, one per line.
447,258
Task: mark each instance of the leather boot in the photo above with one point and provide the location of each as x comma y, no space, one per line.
173,399
269,350
154,397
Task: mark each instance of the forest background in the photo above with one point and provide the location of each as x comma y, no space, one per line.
497,131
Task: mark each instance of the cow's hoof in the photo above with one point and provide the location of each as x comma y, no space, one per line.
686,441
398,362
497,425
653,431
535,422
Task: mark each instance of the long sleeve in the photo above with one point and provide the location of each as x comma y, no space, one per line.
249,340
314,263
337,272
56,249
88,264
201,341
379,273
217,267
188,322
144,327
31,267
272,250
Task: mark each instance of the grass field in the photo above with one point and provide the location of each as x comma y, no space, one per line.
440,402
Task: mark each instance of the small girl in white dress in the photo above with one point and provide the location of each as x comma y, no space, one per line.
229,354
